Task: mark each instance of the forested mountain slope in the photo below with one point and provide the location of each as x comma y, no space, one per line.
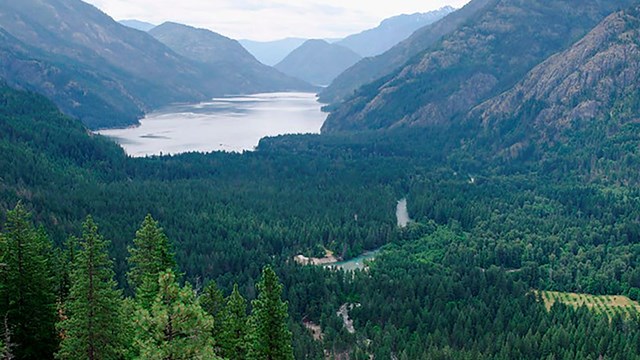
102,72
593,84
139,72
77,89
486,55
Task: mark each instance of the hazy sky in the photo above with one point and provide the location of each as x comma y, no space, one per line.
271,19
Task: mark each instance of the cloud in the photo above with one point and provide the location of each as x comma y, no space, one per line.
270,19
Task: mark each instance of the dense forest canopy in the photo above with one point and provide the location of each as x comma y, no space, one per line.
456,283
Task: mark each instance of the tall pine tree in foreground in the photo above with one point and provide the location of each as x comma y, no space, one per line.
176,327
269,337
92,329
234,327
213,303
150,255
27,291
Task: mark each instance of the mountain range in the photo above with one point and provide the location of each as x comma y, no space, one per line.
391,31
370,69
272,52
102,72
318,62
137,24
486,55
591,85
367,43
234,68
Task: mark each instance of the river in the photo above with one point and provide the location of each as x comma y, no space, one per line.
232,124
358,263
402,213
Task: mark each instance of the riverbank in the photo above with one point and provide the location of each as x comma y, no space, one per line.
329,258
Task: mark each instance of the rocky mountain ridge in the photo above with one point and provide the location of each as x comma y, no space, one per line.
373,68
595,80
391,31
480,59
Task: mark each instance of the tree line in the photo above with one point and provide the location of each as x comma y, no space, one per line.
65,303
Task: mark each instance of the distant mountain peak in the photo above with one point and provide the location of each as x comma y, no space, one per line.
137,24
225,57
318,61
391,31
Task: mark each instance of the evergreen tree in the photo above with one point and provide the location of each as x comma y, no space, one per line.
150,255
176,327
67,259
92,328
269,337
234,327
27,291
213,303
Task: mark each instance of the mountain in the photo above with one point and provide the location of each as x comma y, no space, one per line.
370,69
95,69
391,31
76,88
593,83
480,59
318,62
102,72
367,43
235,68
137,24
272,52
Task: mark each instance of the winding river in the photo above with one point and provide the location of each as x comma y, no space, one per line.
359,263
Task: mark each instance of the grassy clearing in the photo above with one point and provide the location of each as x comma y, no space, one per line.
602,304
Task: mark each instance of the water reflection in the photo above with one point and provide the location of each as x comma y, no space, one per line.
228,124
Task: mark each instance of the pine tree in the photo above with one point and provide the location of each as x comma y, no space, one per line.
150,255
65,260
234,327
213,303
176,327
92,329
269,337
27,290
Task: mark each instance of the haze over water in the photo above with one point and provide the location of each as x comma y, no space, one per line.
226,124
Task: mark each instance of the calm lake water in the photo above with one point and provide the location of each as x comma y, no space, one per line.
227,124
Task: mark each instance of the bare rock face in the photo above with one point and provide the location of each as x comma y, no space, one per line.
594,80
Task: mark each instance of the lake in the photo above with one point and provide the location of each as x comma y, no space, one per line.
233,124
